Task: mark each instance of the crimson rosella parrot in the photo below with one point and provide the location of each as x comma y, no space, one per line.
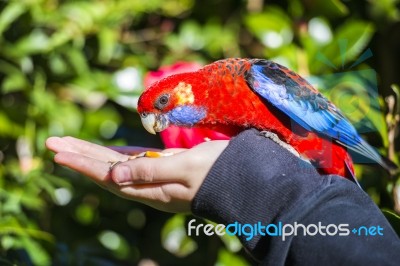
232,95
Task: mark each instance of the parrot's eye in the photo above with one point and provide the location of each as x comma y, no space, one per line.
143,115
162,101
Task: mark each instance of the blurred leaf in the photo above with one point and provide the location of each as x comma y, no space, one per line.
296,8
174,237
12,203
10,13
393,120
349,41
57,64
57,181
232,243
10,225
226,258
85,214
114,242
36,252
214,38
9,128
272,27
14,82
103,122
66,119
35,42
107,41
356,34
191,35
220,39
30,200
385,9
7,241
78,61
176,7
328,8
272,18
393,218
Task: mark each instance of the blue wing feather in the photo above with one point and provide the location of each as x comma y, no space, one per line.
295,97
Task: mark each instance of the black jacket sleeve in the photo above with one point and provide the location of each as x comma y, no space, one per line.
255,181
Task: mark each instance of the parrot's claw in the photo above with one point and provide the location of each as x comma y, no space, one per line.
281,143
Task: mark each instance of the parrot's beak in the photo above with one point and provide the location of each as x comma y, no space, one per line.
154,122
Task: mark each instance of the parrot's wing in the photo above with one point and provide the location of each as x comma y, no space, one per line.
295,97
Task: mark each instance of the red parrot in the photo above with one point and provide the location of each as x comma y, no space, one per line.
235,94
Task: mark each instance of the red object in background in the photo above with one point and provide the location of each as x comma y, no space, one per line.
179,137
165,71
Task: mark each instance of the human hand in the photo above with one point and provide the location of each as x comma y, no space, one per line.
166,183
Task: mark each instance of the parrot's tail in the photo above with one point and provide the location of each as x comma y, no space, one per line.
391,167
369,154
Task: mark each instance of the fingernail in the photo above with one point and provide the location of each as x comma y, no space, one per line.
122,175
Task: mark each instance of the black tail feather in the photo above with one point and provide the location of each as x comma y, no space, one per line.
364,153
389,166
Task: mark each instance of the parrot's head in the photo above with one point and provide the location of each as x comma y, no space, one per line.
171,101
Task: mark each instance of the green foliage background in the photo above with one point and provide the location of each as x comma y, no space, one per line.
59,65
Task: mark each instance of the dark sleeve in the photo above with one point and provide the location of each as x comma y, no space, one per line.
257,182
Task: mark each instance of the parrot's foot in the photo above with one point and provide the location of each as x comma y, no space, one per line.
281,143
149,154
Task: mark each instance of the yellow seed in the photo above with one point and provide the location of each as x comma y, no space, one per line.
153,154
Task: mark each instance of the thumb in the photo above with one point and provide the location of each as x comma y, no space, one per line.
150,170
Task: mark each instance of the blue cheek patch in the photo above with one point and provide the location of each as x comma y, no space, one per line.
186,115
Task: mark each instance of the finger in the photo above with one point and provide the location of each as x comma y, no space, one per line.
70,144
57,144
151,170
95,169
95,151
